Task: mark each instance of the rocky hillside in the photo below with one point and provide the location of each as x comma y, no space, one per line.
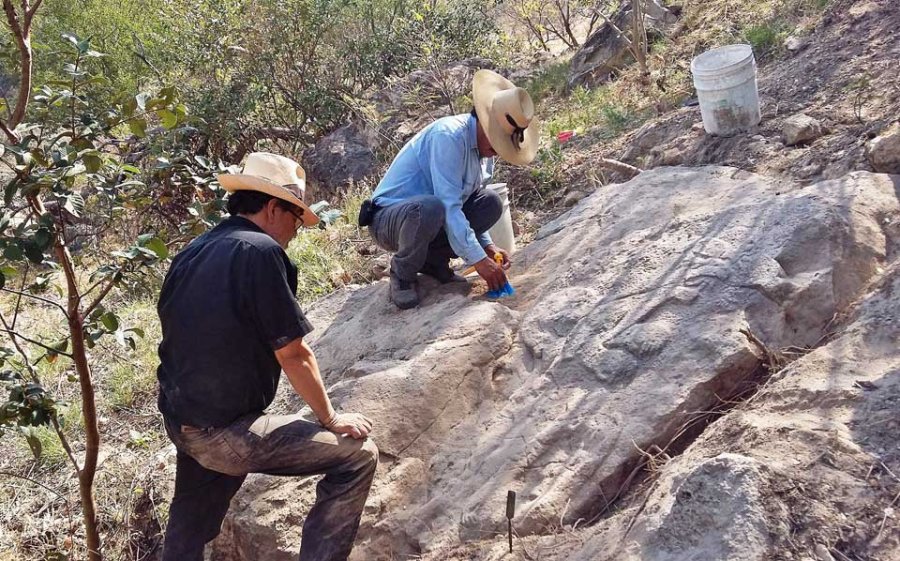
829,94
828,83
617,392
700,363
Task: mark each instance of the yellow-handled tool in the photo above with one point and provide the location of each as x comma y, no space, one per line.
498,259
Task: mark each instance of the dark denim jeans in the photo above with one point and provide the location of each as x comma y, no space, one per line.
414,229
212,464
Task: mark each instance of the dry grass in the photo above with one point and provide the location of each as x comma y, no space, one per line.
334,257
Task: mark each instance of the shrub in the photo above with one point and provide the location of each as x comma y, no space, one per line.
766,38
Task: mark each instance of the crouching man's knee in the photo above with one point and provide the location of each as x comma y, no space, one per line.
493,206
367,456
371,451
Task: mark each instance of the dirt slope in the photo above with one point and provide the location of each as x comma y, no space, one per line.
844,73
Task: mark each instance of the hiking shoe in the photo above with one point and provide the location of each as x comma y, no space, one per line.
443,274
403,293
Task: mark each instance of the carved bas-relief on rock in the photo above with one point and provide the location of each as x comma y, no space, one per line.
627,318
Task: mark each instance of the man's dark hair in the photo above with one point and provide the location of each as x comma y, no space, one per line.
251,202
246,202
474,113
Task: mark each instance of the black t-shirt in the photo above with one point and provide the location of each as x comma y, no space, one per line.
227,304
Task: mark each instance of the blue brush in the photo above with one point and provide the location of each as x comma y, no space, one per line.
505,290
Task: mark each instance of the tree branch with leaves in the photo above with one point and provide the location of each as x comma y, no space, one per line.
63,175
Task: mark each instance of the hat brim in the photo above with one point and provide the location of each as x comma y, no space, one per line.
232,182
504,147
484,86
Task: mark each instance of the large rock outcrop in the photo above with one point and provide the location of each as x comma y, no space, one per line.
811,471
607,48
884,150
342,158
628,319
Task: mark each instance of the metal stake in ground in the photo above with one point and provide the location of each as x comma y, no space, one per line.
510,512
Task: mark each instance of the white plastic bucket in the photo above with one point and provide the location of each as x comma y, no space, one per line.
725,79
502,231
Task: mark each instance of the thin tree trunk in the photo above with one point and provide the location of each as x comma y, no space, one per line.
21,30
88,400
567,25
91,432
20,26
639,35
536,32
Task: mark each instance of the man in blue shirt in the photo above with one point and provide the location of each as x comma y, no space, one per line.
431,204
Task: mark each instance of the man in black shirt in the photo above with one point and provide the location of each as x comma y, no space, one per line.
231,324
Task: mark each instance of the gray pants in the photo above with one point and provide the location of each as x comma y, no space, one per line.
414,229
212,464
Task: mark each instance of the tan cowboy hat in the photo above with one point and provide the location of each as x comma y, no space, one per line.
506,114
275,175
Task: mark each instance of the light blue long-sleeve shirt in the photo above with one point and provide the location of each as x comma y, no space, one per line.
442,160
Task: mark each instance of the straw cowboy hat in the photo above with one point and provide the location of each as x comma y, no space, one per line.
275,175
506,114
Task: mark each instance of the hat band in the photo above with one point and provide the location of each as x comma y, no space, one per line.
294,189
518,133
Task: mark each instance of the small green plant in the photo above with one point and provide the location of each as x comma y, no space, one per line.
43,442
592,109
130,379
28,407
137,439
813,5
126,383
659,45
616,118
353,200
51,453
859,83
766,38
548,171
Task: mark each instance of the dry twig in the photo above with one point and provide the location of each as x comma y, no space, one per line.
620,167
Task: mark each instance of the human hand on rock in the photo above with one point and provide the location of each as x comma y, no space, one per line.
356,425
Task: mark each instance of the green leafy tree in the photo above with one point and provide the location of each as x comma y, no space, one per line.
291,70
277,71
74,178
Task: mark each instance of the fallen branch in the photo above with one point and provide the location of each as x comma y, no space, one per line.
620,167
38,483
774,360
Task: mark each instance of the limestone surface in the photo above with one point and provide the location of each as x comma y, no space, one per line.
632,313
